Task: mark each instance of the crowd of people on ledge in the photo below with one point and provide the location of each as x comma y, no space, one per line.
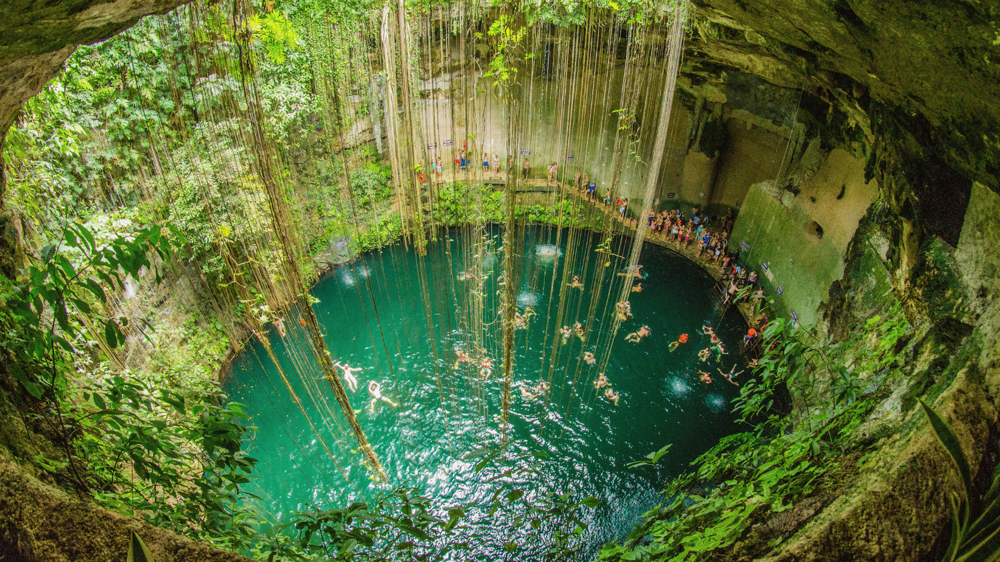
490,166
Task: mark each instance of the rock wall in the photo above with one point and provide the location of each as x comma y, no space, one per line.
803,238
39,522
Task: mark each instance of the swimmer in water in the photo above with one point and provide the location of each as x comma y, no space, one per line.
349,378
731,372
705,377
542,388
526,392
566,332
601,382
637,288
576,284
521,320
675,344
280,325
463,357
486,368
375,389
708,331
589,357
623,310
578,330
637,273
636,337
612,395
704,354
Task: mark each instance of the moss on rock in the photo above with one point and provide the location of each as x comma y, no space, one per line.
43,523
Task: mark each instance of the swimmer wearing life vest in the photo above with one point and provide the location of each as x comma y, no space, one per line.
675,344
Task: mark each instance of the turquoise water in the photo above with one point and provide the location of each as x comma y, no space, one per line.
400,319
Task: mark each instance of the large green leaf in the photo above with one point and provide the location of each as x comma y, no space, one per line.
137,551
950,442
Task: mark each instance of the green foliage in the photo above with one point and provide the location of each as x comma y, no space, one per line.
506,36
378,234
400,522
171,456
970,540
276,34
371,184
652,458
459,203
53,301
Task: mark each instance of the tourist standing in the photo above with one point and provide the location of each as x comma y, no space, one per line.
553,172
525,168
496,165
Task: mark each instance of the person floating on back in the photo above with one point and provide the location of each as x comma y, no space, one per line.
486,368
349,378
704,354
730,375
375,389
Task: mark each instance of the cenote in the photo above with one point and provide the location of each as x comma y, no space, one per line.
400,319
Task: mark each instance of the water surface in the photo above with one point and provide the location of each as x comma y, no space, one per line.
401,320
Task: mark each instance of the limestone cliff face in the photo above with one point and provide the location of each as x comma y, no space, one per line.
931,68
